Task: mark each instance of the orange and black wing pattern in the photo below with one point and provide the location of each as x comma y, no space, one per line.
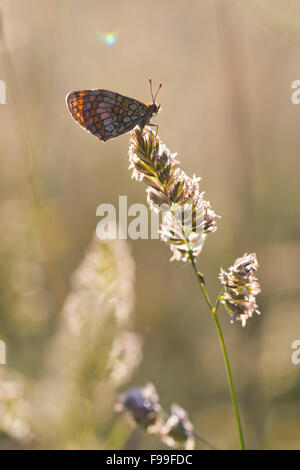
106,114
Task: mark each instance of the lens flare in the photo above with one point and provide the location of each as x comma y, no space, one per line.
109,38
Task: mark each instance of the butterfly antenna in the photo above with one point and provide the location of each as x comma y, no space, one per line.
151,90
160,85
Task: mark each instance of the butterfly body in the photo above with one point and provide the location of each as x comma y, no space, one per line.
107,114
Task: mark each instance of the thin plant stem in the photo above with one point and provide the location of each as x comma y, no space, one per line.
204,441
29,154
54,276
224,350
119,435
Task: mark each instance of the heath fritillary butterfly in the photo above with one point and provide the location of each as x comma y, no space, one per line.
107,114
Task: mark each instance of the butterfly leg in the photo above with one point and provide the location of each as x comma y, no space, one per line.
154,125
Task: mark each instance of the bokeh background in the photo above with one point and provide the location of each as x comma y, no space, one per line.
83,321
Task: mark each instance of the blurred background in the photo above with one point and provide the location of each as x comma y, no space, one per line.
82,320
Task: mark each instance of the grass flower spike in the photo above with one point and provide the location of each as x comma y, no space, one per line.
186,220
142,407
178,430
240,288
187,217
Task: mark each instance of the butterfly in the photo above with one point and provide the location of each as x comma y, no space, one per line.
107,114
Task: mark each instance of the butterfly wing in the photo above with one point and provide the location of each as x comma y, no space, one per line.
104,113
